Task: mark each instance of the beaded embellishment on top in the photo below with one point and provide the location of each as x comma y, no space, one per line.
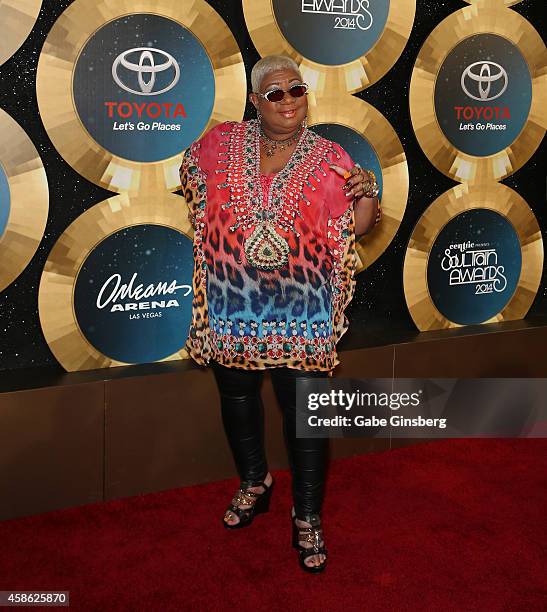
266,248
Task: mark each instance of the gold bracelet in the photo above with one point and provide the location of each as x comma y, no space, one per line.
371,188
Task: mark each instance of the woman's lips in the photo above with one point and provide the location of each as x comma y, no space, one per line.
288,114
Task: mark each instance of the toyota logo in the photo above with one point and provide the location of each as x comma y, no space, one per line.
146,66
483,77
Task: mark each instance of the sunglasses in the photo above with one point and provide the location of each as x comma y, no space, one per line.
276,95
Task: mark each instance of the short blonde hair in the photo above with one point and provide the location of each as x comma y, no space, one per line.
271,63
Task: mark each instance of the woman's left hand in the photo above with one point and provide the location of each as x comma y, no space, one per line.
356,180
367,210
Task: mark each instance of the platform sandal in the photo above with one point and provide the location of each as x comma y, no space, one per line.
313,535
259,502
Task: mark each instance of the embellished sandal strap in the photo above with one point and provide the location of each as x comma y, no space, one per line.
249,493
312,536
245,498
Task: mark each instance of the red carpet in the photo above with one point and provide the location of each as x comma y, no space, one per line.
447,525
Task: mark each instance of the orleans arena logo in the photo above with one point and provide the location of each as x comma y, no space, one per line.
118,296
133,293
483,94
144,87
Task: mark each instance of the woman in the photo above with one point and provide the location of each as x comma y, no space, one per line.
275,209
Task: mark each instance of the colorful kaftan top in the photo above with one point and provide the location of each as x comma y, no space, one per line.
244,316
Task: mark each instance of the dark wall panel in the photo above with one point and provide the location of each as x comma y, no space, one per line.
51,448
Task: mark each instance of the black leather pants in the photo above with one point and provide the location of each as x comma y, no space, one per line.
243,419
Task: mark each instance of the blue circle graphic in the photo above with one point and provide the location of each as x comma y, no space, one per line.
144,87
133,294
5,201
474,266
355,145
483,94
332,32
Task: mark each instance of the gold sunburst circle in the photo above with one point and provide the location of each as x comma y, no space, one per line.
475,256
17,18
24,200
125,86
478,93
370,140
117,286
340,47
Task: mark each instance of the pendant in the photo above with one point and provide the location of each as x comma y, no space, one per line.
265,249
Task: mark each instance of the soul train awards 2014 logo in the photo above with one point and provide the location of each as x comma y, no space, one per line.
483,94
474,266
332,32
478,265
347,14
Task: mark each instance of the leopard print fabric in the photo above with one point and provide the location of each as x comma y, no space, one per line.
248,318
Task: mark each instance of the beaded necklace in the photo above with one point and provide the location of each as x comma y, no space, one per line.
271,146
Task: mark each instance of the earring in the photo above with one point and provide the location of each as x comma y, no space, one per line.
258,115
305,122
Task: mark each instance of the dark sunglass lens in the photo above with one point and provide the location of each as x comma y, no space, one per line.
276,95
297,91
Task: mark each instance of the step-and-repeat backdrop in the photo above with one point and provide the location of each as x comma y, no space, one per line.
445,101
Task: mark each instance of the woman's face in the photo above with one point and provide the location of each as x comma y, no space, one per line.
281,117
